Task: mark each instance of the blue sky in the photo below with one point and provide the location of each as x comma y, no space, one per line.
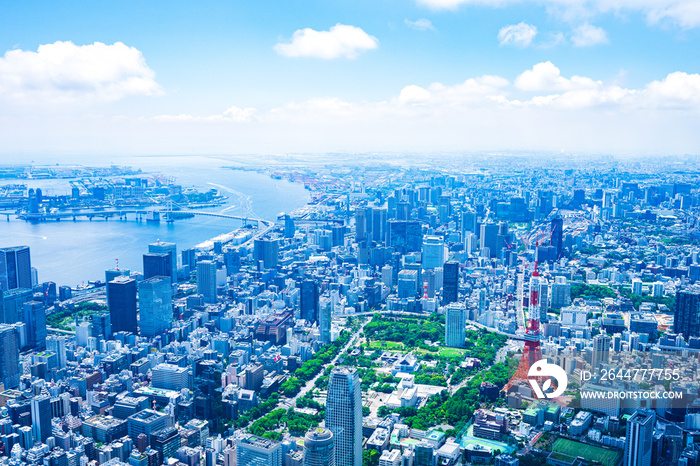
604,76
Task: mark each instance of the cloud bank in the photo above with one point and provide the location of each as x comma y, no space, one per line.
64,72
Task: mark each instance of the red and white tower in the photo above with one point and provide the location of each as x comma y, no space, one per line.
532,351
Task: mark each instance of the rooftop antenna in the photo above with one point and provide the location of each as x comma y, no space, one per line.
117,261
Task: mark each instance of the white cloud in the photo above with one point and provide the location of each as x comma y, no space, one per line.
413,94
675,90
420,24
685,13
547,77
340,41
588,35
520,35
63,72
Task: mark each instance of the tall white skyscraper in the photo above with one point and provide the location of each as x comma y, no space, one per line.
433,252
455,324
344,415
639,440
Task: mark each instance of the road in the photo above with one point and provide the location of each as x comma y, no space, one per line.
530,444
287,403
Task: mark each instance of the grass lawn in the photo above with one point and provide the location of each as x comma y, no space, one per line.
451,352
589,452
386,345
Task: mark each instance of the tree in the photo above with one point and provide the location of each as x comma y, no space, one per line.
370,458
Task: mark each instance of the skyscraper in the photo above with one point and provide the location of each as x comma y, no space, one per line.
687,313
157,264
266,250
488,238
35,319
252,450
15,268
319,448
206,280
455,325
9,356
308,300
155,301
111,274
433,252
556,240
379,216
122,305
57,344
601,350
450,283
404,236
166,248
639,439
41,417
344,415
324,319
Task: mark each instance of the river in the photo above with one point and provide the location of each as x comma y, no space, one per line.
73,252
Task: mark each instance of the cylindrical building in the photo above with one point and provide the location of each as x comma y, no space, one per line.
319,449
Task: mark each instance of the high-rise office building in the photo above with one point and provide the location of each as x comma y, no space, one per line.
166,442
252,450
206,280
35,319
57,344
407,283
171,377
122,305
111,274
308,300
404,236
157,264
468,220
15,268
450,282
488,238
146,422
360,224
189,257
319,448
12,304
41,417
639,438
433,252
101,326
561,293
601,350
9,356
687,313
455,325
166,248
344,415
155,303
379,219
266,251
556,240
324,319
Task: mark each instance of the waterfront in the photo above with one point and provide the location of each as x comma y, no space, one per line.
70,253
